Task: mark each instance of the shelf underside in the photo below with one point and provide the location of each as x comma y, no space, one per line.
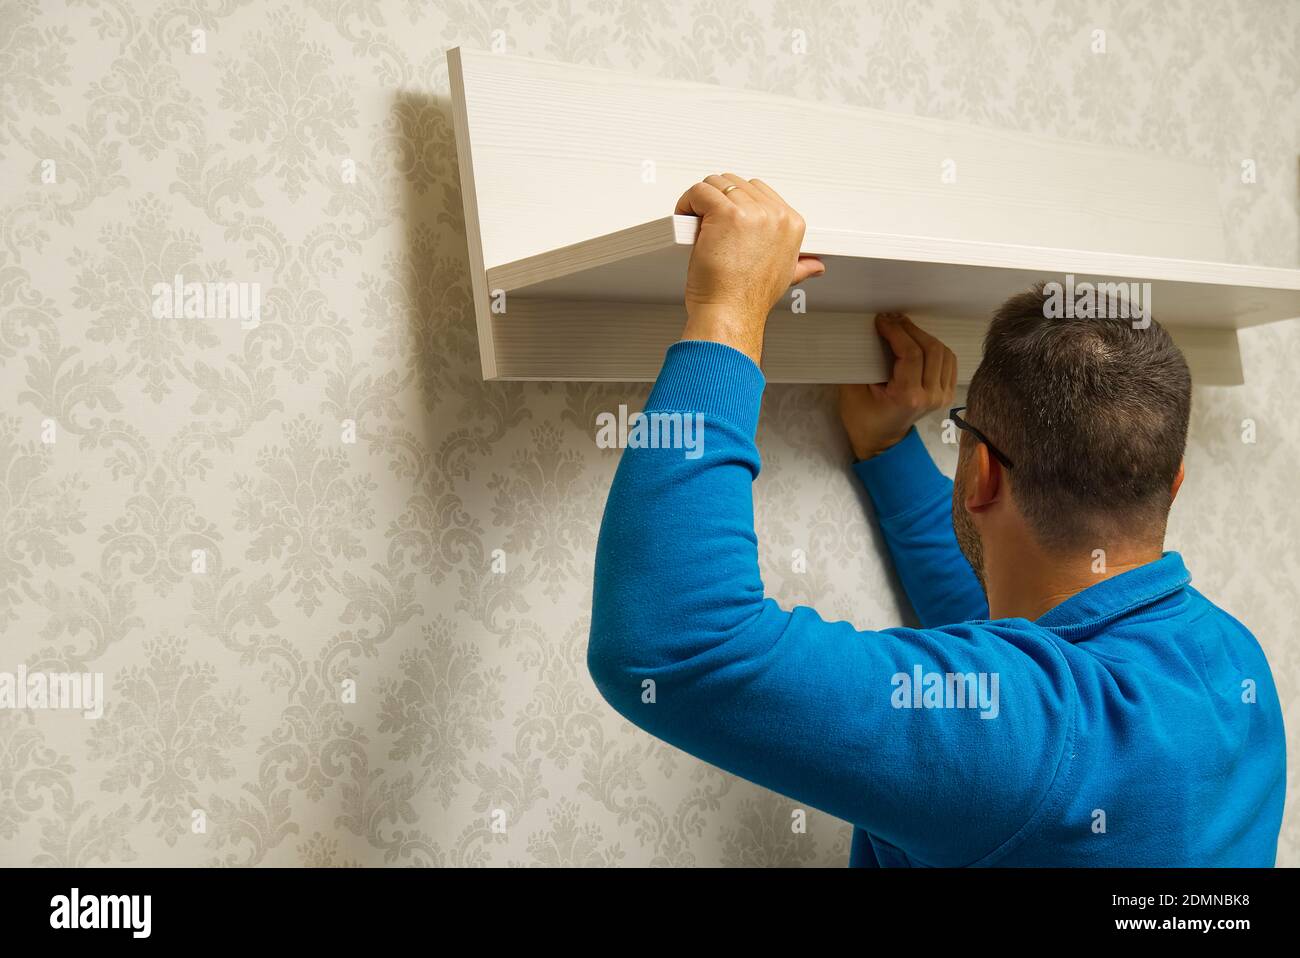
868,273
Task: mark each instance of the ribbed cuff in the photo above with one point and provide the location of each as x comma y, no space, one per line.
902,476
709,378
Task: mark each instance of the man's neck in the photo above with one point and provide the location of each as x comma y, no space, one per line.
1031,582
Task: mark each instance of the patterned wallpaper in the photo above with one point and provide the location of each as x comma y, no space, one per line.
337,588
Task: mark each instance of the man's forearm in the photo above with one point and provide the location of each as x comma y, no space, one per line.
913,501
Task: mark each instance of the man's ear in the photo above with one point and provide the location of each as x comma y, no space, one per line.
985,480
1178,480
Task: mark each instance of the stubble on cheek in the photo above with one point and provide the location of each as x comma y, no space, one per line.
968,539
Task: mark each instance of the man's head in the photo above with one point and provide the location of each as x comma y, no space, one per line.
1092,413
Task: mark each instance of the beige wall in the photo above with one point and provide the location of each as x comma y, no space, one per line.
370,561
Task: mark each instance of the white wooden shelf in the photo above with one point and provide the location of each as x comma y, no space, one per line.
874,271
566,172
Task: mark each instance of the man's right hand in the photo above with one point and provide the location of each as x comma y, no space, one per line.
876,416
745,257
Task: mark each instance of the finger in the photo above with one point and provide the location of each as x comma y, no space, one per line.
806,268
909,359
949,376
742,195
744,185
932,380
701,200
762,188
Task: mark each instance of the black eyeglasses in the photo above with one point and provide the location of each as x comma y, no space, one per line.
963,424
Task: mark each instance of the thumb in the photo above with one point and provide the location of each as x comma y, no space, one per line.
807,267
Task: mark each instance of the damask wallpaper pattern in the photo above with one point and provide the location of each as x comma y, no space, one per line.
337,586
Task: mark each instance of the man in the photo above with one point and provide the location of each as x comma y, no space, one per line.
1068,700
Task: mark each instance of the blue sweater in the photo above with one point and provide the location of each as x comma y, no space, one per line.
1134,724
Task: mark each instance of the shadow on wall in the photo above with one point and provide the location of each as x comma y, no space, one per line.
544,513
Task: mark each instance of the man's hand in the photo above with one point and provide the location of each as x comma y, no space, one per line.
746,256
877,416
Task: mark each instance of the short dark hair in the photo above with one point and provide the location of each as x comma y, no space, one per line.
1094,415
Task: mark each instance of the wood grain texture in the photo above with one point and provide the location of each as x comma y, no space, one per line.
873,272
625,342
560,150
558,208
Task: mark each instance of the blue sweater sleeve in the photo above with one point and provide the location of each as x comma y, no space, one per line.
685,645
913,502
